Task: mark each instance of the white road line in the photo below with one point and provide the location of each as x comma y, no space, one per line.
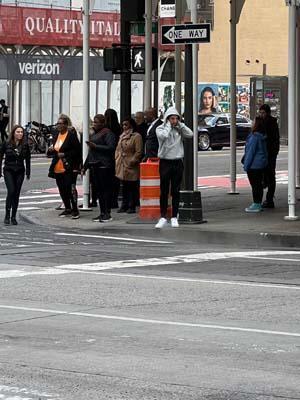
40,163
13,392
153,321
200,281
275,259
180,259
58,200
37,196
18,273
122,239
28,208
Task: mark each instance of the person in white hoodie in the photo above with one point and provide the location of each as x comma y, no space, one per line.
170,137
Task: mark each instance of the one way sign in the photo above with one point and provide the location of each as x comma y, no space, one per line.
185,34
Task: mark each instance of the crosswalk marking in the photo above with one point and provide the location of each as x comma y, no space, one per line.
34,202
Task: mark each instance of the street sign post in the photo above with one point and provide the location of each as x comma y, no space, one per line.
185,34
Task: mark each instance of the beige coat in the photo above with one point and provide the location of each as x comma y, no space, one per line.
128,156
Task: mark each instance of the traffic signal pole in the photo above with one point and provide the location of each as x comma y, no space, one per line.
178,12
292,4
195,99
148,54
125,78
86,101
233,23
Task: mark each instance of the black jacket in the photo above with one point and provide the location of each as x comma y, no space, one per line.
103,155
4,121
142,130
271,131
151,146
14,157
72,151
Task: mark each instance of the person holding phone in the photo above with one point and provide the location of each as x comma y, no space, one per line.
100,161
171,135
15,152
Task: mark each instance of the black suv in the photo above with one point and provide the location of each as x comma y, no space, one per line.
214,131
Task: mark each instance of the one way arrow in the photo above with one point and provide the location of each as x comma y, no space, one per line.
170,34
182,34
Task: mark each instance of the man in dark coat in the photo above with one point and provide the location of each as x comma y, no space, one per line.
151,146
142,126
271,132
4,119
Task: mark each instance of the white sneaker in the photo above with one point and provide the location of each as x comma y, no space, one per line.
174,223
161,223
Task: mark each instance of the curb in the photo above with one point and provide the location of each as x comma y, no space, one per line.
186,235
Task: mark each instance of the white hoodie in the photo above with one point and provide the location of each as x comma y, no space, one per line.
170,139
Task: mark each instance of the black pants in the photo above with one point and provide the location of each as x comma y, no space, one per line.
93,188
171,172
104,183
64,183
270,179
255,177
3,126
13,181
74,188
115,192
130,194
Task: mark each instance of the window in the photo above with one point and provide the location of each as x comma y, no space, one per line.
39,3
241,120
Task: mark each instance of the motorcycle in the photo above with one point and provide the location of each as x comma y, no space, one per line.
39,136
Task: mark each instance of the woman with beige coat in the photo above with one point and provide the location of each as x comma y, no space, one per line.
128,156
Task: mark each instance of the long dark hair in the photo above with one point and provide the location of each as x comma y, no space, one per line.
211,91
112,121
12,139
258,125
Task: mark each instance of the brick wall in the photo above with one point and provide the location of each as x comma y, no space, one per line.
262,34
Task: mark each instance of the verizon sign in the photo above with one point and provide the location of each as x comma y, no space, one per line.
25,67
56,27
39,68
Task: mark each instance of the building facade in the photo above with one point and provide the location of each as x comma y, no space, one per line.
261,49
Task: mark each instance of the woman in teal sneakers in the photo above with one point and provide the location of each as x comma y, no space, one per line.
255,161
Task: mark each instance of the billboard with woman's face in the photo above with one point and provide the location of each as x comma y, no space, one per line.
208,102
215,98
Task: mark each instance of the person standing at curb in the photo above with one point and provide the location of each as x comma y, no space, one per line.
112,123
255,161
100,160
15,151
271,131
170,137
128,156
66,151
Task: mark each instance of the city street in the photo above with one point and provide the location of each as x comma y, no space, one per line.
97,316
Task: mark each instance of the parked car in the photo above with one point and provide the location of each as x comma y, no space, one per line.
214,131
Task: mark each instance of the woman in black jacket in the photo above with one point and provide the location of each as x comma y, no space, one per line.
100,160
15,151
66,151
112,123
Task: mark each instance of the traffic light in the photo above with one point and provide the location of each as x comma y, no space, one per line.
134,10
138,56
117,59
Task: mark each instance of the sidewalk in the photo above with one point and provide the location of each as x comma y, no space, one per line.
227,223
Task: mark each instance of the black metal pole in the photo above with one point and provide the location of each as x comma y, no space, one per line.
190,208
125,79
188,118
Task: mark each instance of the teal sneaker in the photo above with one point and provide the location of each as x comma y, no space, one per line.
254,208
